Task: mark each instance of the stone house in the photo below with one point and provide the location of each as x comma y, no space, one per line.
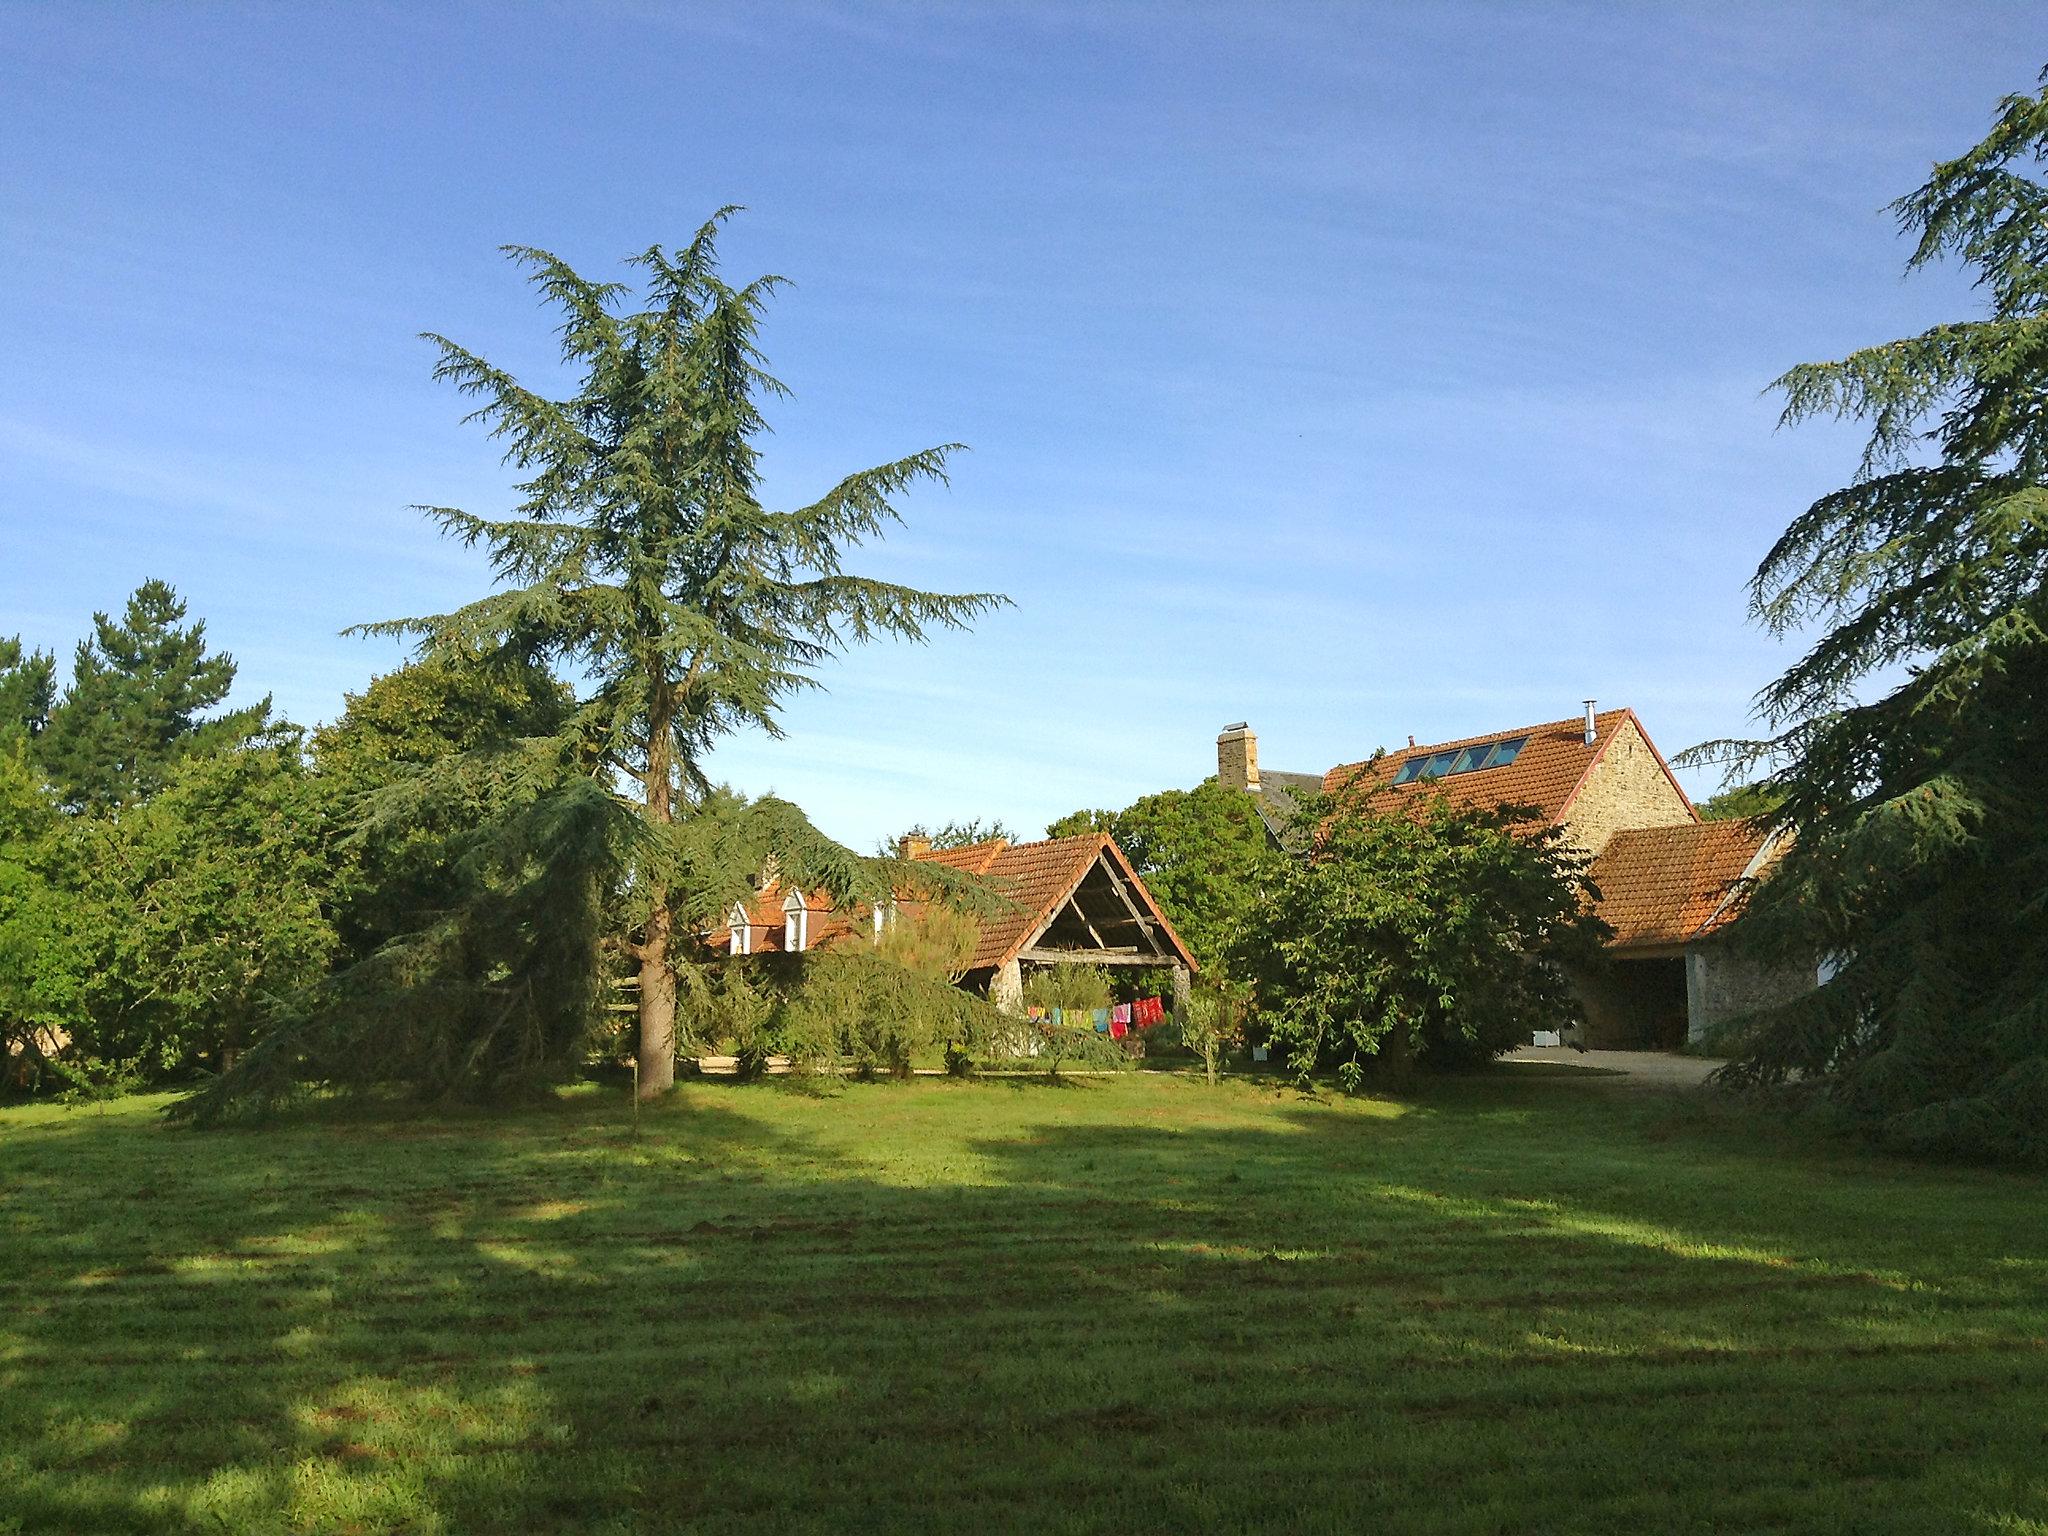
1670,883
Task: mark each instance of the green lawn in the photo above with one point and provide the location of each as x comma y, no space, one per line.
1525,1303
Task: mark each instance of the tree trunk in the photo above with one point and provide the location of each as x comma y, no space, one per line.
657,980
657,1006
1397,1056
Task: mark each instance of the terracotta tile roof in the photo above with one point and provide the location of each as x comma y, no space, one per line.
1668,885
1546,773
1035,877
771,926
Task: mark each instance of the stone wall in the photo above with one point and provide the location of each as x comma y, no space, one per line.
1721,984
1626,789
1237,759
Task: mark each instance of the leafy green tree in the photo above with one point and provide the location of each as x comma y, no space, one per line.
1203,853
471,874
1417,930
931,939
641,557
137,704
431,709
42,971
439,719
954,834
1907,743
205,907
863,1005
28,690
1742,802
1210,1021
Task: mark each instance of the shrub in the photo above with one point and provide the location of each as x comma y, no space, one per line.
1417,929
1076,991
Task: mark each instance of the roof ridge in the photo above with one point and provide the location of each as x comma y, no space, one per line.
1428,748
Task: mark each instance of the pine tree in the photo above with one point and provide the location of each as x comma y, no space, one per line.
641,560
1919,865
28,689
137,703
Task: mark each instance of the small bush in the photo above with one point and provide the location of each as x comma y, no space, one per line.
1076,991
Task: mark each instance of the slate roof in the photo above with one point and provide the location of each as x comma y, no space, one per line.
1278,799
1546,774
1035,877
1670,885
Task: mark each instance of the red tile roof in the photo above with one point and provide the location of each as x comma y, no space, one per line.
1546,774
770,924
1034,877
1037,877
1669,885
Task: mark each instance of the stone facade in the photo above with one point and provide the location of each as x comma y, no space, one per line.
1625,789
1721,984
1237,758
1006,987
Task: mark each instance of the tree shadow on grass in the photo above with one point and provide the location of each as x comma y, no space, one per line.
1483,1312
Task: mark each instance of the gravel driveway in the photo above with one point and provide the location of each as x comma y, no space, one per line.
1628,1069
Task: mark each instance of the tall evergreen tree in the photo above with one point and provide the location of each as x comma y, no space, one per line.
137,703
642,561
28,689
1920,860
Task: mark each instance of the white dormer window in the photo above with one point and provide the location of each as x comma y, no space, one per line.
742,929
797,923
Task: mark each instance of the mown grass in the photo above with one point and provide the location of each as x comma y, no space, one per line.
1529,1302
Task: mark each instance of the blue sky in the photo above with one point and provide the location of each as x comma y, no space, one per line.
1357,371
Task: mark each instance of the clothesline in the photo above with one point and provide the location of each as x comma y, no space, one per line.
1116,1021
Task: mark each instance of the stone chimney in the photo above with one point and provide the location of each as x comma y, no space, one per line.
1237,757
910,845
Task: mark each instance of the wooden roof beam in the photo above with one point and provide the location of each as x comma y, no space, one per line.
1094,957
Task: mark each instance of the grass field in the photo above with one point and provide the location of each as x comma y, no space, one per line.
1527,1302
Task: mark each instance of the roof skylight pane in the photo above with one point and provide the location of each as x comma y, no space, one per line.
1471,757
1505,752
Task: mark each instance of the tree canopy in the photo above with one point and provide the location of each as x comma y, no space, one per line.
952,834
137,703
28,690
1416,930
1203,853
1907,742
641,560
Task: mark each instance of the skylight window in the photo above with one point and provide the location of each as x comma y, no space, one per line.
1441,765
